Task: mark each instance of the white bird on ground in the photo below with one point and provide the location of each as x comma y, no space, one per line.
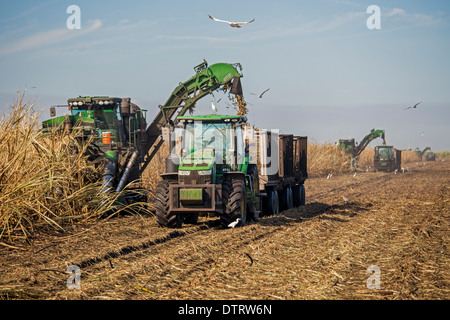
354,175
395,171
232,24
261,94
234,223
345,199
329,176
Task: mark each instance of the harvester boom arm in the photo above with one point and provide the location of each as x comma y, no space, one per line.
367,139
206,80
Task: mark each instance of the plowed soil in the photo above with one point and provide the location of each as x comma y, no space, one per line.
398,222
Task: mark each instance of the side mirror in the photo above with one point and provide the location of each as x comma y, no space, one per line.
52,112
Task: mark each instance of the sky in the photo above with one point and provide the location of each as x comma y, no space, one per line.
330,76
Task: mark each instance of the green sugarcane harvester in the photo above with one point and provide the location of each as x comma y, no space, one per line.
212,176
426,154
354,150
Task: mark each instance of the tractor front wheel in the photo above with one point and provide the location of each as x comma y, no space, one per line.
235,203
165,218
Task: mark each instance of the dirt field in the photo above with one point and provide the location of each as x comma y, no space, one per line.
398,222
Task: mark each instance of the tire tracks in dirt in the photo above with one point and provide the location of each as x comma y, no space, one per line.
313,209
365,183
145,244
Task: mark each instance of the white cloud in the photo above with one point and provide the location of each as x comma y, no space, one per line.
420,19
395,11
46,38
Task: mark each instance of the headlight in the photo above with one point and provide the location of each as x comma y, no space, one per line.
184,173
204,172
100,103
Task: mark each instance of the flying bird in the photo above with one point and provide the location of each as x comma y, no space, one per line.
232,24
234,223
261,94
413,107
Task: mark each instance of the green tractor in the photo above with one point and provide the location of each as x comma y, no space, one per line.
387,158
430,156
212,174
222,166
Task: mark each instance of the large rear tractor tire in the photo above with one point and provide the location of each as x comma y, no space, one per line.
287,201
165,218
272,203
302,195
234,199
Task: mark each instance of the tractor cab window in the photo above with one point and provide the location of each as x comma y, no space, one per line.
384,153
104,117
219,137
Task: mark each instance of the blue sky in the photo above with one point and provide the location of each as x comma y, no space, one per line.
329,76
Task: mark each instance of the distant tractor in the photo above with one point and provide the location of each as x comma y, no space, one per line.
387,158
430,156
420,153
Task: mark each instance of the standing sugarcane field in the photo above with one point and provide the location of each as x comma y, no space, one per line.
147,155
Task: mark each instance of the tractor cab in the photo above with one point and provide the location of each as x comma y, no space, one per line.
384,152
103,113
348,145
387,158
211,145
111,122
104,110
